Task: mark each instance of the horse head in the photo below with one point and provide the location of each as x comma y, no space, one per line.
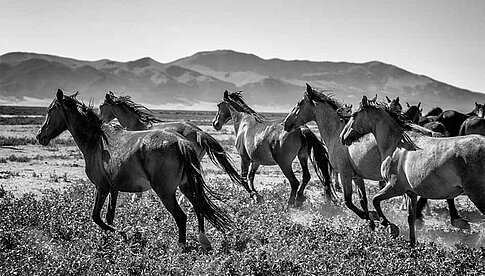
55,122
302,112
223,113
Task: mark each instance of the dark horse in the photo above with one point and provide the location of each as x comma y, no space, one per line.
261,142
129,161
453,120
136,117
474,124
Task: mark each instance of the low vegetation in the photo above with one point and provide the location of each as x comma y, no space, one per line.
54,235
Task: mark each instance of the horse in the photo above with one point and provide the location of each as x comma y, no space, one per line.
136,117
435,111
263,142
474,124
357,162
134,161
394,104
413,113
414,164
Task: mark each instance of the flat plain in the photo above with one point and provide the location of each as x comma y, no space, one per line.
46,228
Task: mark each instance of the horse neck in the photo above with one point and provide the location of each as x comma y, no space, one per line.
89,144
387,133
236,118
129,119
328,123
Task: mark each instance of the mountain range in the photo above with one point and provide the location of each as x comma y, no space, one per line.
274,84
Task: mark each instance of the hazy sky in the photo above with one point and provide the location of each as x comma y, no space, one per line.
444,40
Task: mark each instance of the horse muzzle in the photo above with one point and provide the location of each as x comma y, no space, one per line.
42,140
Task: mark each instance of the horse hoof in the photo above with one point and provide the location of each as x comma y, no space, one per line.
460,223
205,244
373,215
393,230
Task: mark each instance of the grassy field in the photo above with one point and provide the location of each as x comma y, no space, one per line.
46,227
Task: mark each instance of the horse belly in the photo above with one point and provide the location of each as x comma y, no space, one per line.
260,152
438,183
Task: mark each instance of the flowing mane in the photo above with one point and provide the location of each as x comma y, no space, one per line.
235,100
94,130
400,119
340,108
145,115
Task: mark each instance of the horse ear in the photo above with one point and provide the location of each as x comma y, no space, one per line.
408,105
59,95
419,105
350,106
75,94
309,88
364,102
373,99
397,100
388,100
226,94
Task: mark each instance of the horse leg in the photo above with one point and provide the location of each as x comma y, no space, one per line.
456,219
169,200
294,183
420,206
96,215
204,241
300,197
253,168
389,191
412,216
363,202
346,179
110,214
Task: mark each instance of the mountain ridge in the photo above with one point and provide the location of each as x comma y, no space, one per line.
203,77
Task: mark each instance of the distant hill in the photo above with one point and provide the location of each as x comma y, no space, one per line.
203,76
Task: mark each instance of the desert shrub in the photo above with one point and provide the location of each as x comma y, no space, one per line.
15,158
54,235
16,141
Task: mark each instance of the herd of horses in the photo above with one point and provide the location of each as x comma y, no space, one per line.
409,154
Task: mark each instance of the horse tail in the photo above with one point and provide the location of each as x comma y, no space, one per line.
202,202
220,158
319,158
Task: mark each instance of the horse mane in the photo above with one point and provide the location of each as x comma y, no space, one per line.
145,115
235,100
320,96
402,121
93,130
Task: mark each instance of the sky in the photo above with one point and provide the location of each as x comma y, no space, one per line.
444,40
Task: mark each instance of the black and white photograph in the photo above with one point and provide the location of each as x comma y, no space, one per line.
238,137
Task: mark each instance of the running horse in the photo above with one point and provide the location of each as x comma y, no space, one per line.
128,161
357,162
262,142
414,164
134,116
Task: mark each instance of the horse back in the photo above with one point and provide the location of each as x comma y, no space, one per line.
268,140
473,125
